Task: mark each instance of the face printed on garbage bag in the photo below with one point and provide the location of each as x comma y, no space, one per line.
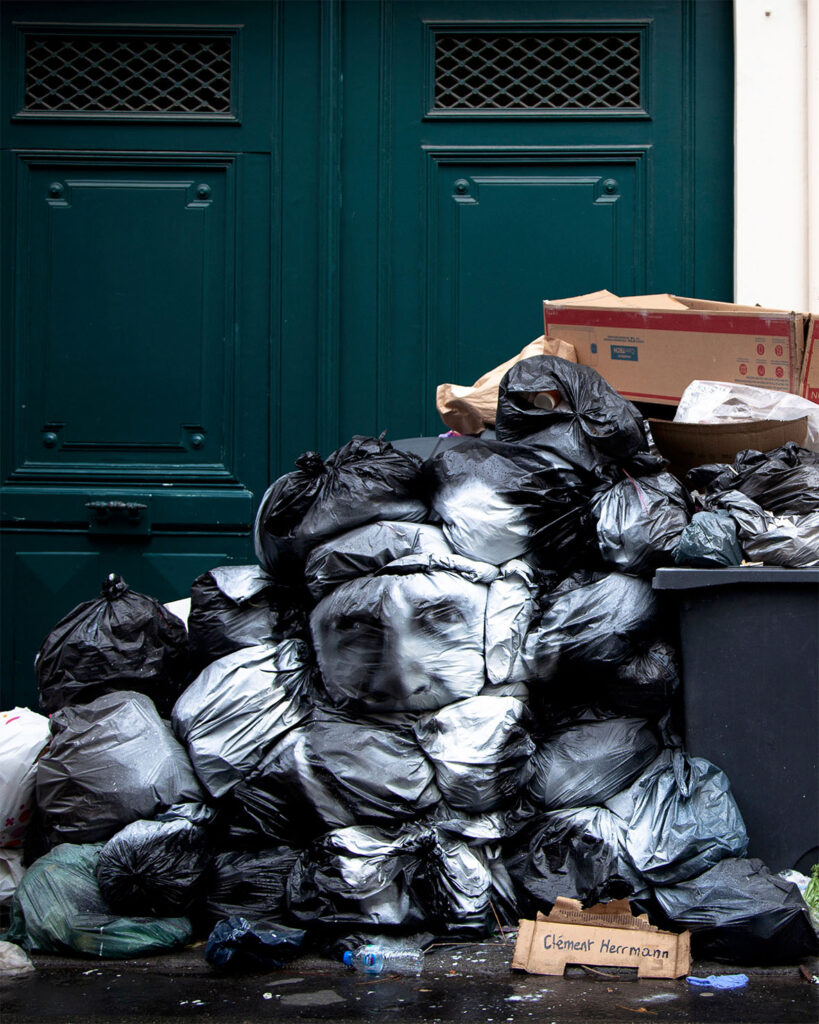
404,642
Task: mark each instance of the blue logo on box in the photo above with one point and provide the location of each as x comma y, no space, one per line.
627,352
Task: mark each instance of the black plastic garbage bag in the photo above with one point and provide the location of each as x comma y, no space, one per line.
455,885
591,425
499,501
646,683
359,877
589,758
785,480
514,607
410,638
237,606
578,853
709,542
596,621
249,883
335,771
791,541
640,521
482,750
363,481
240,943
154,867
120,641
367,549
681,819
240,706
739,912
58,908
110,762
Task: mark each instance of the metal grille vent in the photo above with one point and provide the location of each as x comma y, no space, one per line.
128,74
536,72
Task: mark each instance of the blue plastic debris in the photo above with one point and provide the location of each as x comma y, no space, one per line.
720,981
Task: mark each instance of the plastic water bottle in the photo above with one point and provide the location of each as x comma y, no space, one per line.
373,959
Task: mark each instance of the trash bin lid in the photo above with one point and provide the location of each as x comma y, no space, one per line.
690,579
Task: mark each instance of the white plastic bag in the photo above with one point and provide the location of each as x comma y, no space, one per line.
11,873
23,736
716,401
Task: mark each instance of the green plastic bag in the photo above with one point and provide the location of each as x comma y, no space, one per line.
58,908
811,897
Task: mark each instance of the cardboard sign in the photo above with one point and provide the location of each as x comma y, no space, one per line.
603,936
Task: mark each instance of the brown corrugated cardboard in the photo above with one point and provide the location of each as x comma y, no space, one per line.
809,383
651,347
686,445
603,936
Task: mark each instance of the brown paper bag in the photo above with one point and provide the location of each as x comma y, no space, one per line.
470,409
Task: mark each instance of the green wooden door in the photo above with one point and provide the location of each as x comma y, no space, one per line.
237,230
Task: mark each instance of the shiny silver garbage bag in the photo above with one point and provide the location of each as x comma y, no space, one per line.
240,706
481,749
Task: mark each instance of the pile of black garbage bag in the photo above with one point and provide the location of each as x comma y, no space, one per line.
445,697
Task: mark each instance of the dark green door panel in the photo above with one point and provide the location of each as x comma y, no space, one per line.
140,358
482,267
464,217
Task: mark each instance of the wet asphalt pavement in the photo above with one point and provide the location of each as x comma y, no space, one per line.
470,983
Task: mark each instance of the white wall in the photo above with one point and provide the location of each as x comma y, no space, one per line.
776,258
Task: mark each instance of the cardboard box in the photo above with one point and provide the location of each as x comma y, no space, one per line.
650,347
603,936
809,382
686,445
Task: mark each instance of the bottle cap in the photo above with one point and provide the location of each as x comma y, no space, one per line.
347,959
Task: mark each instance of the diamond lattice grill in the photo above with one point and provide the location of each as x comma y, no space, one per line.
128,74
536,72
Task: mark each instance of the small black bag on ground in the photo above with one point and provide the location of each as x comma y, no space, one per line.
154,867
680,819
499,501
578,853
363,481
120,641
785,480
249,883
240,706
739,912
589,758
592,424
709,542
237,606
110,762
359,877
239,943
481,749
640,522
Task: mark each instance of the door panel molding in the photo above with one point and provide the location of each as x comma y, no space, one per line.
459,180
194,438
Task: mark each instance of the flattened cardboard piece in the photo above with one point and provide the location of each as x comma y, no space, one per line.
650,347
686,445
603,936
809,383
